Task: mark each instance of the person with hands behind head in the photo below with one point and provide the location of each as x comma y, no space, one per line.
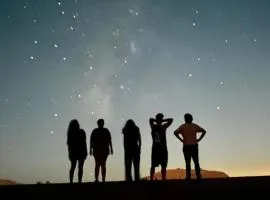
159,154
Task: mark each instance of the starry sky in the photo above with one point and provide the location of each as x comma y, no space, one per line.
124,59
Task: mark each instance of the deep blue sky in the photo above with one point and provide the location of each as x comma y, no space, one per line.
85,59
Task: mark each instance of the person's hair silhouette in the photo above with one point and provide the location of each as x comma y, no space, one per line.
132,148
189,131
77,148
159,154
100,123
100,147
188,118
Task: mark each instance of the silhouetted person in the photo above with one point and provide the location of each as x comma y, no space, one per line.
77,149
159,148
100,147
132,147
189,131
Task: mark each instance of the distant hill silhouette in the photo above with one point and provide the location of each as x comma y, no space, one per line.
181,174
7,182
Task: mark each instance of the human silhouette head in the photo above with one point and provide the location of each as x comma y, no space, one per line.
74,124
159,118
73,127
100,123
188,118
130,123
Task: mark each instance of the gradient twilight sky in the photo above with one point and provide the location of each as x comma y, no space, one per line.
122,59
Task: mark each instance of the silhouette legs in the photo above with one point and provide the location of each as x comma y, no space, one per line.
191,151
103,171
80,171
97,171
195,157
100,163
136,164
132,158
163,172
159,157
71,171
152,172
188,160
128,163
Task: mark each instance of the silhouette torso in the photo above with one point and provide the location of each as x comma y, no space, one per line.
189,132
77,144
131,138
159,135
100,140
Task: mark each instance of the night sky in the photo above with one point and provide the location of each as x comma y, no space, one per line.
121,59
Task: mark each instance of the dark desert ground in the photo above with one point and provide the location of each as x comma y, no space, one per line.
210,188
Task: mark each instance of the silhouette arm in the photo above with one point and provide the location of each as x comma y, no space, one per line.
84,144
201,130
140,140
152,122
167,122
124,138
91,145
111,146
177,133
69,143
67,140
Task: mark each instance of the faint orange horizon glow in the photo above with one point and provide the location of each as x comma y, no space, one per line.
263,171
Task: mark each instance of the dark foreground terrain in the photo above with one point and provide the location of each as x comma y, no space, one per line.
240,188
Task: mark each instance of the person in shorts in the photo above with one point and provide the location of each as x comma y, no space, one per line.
159,154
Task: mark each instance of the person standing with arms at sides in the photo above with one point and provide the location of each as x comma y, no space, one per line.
132,147
159,148
189,131
100,148
77,148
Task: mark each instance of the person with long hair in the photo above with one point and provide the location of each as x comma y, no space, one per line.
132,148
77,148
